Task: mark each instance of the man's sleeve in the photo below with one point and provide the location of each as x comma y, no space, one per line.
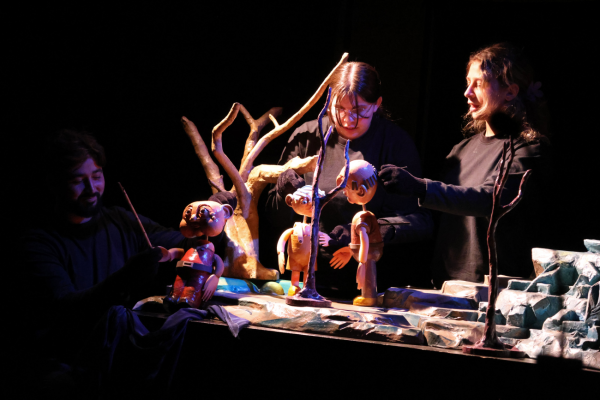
45,266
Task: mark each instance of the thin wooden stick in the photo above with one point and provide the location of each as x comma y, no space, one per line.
136,215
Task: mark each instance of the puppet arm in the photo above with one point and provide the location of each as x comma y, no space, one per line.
281,248
364,245
213,281
362,257
341,257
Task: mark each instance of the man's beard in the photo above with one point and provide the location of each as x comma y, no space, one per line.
83,209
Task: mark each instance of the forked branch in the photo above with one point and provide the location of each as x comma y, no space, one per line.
256,126
211,169
230,169
281,128
490,338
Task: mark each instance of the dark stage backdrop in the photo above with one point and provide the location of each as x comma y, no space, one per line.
128,74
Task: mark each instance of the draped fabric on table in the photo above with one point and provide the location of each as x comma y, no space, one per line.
123,356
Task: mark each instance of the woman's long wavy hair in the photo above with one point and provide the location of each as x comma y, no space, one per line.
506,65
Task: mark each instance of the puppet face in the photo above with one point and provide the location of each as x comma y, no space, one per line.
362,182
204,218
301,202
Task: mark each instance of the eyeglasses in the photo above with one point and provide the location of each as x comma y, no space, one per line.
356,113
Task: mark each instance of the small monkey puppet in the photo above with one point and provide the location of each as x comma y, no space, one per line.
299,236
366,244
199,270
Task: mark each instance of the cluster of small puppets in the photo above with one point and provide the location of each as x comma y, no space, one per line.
366,243
199,270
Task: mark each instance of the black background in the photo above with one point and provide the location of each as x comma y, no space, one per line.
129,73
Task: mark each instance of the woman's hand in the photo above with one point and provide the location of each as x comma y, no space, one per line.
324,239
397,180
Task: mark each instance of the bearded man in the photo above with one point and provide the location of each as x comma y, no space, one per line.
86,258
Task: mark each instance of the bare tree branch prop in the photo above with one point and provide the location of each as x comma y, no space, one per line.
217,148
279,129
256,126
489,342
211,169
309,296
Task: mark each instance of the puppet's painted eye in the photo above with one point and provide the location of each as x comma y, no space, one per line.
188,213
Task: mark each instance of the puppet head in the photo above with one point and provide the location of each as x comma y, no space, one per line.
362,182
301,200
204,218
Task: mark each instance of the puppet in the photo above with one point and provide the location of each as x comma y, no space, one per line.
299,237
366,244
199,270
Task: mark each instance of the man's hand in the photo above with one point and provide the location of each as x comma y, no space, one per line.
171,254
143,264
341,258
397,180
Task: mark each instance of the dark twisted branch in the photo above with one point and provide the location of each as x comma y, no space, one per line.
309,291
490,338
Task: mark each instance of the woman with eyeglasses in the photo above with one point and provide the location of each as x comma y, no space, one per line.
356,114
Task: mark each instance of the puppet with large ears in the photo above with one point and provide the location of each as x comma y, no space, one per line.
199,270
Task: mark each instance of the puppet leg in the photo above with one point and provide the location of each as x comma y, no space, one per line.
368,295
295,287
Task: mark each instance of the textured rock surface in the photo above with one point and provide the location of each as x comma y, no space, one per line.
331,321
477,291
403,298
454,334
530,309
593,246
428,310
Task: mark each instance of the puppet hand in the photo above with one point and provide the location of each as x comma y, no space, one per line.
324,239
209,287
360,275
281,259
397,180
341,258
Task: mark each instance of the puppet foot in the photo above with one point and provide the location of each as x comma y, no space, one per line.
293,290
364,301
